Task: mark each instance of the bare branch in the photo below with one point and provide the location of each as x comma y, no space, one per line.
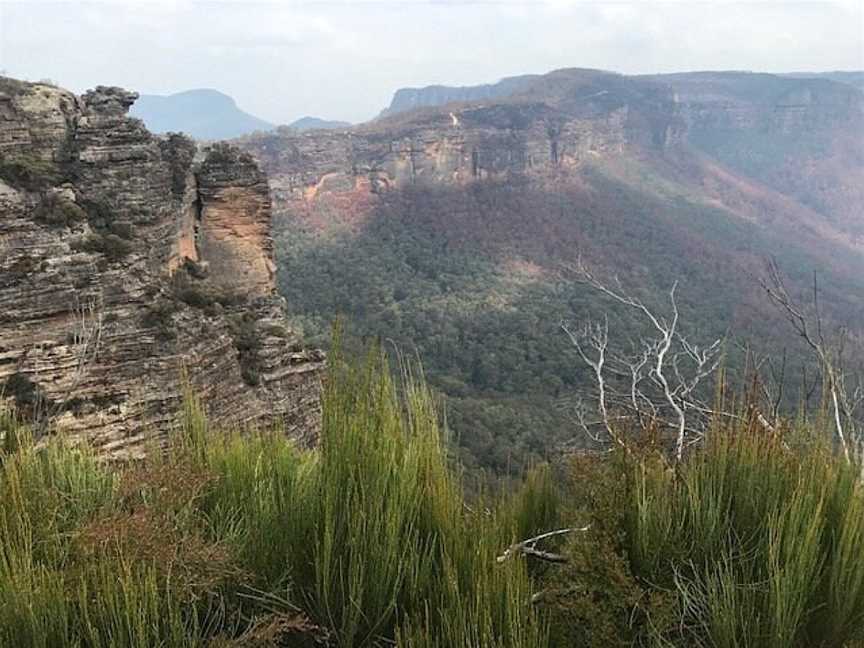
846,425
662,376
529,547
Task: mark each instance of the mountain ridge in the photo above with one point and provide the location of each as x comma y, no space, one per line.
411,98
203,113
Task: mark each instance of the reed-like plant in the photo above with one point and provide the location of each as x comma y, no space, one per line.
761,538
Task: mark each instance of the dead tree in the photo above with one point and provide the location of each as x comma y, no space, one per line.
845,393
659,383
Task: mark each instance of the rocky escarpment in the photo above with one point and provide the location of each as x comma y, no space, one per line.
800,137
406,99
125,262
580,115
803,137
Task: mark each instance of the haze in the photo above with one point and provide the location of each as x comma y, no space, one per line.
343,60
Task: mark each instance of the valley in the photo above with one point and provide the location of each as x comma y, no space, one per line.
448,230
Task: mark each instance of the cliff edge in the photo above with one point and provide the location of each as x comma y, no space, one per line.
127,258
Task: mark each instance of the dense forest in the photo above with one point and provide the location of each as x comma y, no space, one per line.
477,281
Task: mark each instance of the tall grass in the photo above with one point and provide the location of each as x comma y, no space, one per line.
228,538
370,535
760,537
234,538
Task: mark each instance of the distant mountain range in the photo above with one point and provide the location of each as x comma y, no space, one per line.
208,114
850,77
203,114
406,99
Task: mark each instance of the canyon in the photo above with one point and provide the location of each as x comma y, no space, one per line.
448,227
134,265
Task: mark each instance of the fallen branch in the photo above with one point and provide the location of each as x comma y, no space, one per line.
529,547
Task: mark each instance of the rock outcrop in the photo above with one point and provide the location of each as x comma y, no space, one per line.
124,262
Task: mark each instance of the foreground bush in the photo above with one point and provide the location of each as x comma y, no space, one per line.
230,540
754,541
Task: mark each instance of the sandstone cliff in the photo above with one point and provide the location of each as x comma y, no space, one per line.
800,135
123,259
570,117
803,138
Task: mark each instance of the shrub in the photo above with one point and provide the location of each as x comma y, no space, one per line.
29,400
190,287
123,230
111,246
227,539
747,543
230,540
247,341
99,214
194,295
57,211
12,87
30,173
159,316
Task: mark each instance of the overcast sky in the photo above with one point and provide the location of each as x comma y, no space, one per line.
343,59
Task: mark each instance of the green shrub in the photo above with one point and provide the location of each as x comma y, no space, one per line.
596,599
194,295
747,543
100,215
160,317
228,540
191,287
123,230
57,211
29,173
753,541
111,246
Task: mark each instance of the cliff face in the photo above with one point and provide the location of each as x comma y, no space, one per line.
582,115
803,137
800,137
122,261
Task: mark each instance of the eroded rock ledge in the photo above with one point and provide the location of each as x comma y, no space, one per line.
123,260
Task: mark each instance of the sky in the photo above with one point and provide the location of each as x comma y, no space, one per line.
343,59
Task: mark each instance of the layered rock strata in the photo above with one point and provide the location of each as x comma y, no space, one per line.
124,262
543,128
